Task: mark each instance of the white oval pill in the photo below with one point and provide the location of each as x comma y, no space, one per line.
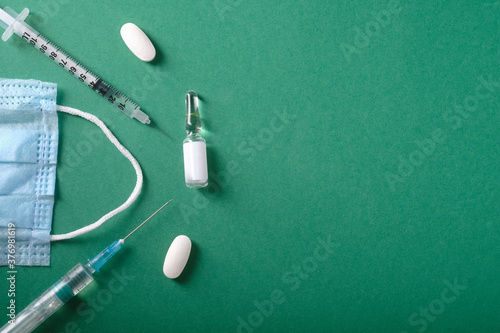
138,42
177,256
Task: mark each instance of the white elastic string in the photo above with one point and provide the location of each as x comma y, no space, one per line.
138,186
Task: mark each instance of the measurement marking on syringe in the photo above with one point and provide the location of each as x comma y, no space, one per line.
58,56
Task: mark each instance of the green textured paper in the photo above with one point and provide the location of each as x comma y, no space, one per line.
372,126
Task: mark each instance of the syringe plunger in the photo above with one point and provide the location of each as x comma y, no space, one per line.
8,20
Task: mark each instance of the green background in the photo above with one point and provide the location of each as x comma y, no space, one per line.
312,121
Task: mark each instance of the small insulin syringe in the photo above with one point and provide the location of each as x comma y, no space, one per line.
13,23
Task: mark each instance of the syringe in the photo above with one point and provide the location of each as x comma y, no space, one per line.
13,23
65,288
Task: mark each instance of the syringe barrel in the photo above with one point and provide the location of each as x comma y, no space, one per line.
14,24
51,300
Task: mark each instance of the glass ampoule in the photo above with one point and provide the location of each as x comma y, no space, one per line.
194,146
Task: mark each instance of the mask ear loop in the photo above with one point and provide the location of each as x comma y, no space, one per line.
133,196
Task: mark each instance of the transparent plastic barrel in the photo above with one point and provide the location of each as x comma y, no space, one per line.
51,300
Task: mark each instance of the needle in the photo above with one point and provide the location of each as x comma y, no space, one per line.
99,260
151,123
140,225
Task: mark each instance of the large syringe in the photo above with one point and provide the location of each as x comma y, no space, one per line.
64,289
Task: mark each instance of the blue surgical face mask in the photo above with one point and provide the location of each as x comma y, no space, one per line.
28,158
